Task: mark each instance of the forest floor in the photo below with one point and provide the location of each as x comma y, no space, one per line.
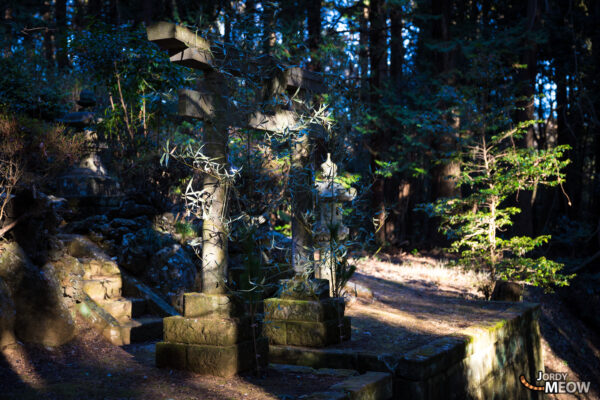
410,291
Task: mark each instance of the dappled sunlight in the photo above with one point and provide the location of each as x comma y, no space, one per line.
425,273
18,360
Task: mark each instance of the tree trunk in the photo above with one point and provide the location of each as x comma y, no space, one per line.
268,39
378,60
313,9
250,12
94,8
148,11
61,31
525,112
445,174
363,52
396,46
48,42
7,16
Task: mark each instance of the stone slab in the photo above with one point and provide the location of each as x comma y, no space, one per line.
368,386
222,361
304,333
194,58
100,288
277,122
298,78
175,38
294,289
304,310
119,308
213,331
203,305
328,395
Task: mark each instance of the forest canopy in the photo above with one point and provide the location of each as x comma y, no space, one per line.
417,91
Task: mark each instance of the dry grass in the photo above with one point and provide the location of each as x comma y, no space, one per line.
426,272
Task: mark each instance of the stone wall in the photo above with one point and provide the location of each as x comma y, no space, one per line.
484,362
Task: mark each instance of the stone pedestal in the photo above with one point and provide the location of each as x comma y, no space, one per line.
213,337
305,315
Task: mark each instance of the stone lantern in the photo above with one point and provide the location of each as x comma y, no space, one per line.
330,196
305,314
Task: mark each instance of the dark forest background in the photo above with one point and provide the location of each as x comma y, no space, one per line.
410,84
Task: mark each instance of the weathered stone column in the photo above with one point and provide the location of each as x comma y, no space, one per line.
214,227
301,192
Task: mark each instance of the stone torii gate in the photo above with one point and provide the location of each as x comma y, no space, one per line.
193,342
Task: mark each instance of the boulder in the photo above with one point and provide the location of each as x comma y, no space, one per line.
41,315
136,250
7,316
174,268
70,273
130,209
12,265
87,224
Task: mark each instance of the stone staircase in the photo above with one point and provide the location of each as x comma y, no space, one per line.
123,313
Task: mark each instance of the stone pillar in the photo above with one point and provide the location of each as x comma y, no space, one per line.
214,232
300,183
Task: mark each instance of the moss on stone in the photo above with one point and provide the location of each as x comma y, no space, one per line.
202,305
304,310
213,331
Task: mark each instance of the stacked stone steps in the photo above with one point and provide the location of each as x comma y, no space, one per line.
121,319
131,313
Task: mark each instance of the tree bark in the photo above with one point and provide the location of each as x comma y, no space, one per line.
314,33
378,61
268,39
397,50
363,52
525,112
48,42
61,31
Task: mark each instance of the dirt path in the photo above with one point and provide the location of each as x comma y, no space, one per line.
569,346
412,294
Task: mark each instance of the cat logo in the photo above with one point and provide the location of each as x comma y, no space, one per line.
555,383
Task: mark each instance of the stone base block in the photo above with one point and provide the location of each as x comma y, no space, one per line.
307,333
299,289
304,310
203,305
222,361
212,331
